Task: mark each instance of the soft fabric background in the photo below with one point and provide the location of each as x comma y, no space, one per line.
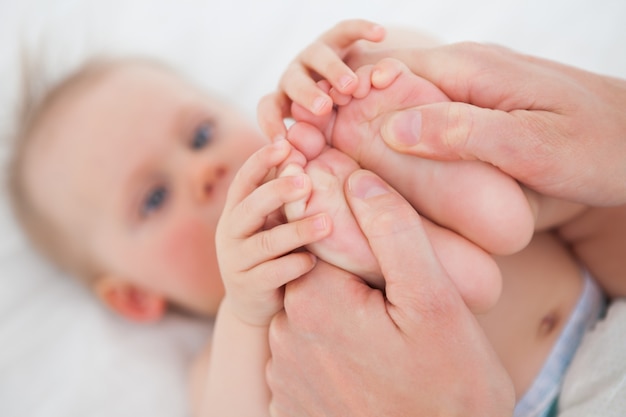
63,355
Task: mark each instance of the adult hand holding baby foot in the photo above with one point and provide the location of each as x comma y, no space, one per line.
558,129
335,330
433,187
497,218
349,360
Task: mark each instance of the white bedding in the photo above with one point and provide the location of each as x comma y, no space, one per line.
63,355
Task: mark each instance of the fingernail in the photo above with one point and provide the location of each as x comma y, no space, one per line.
404,128
364,185
345,81
318,104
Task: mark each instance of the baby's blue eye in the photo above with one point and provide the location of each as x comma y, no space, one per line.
154,200
202,136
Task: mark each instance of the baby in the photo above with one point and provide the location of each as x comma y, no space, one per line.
120,176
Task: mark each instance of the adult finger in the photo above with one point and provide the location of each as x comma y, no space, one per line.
454,131
544,151
393,228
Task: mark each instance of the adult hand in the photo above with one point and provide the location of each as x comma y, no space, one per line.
558,129
341,348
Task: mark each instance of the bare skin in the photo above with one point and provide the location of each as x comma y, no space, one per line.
351,139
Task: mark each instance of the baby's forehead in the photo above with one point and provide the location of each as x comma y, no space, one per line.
119,74
120,79
92,91
88,79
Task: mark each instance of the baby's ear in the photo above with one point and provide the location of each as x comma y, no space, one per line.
129,300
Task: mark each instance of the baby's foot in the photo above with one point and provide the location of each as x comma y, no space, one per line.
472,198
473,271
328,168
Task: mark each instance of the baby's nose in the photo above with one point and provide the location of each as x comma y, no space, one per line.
206,180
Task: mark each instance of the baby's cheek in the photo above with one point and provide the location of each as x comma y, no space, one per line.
189,250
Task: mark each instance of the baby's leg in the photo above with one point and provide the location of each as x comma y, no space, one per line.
472,198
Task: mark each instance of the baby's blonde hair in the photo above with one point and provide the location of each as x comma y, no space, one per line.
37,99
51,240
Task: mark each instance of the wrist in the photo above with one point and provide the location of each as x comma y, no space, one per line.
245,315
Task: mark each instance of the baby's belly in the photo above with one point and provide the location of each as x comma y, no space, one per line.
541,286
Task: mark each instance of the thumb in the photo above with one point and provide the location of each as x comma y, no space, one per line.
452,131
414,277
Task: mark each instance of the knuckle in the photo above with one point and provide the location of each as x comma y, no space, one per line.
441,302
474,50
246,208
266,243
304,232
259,159
271,275
482,61
335,68
307,55
441,306
545,138
390,217
458,127
386,221
241,175
472,47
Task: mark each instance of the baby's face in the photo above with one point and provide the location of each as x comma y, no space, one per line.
137,166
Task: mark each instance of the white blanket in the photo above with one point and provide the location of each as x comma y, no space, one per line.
596,382
63,355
